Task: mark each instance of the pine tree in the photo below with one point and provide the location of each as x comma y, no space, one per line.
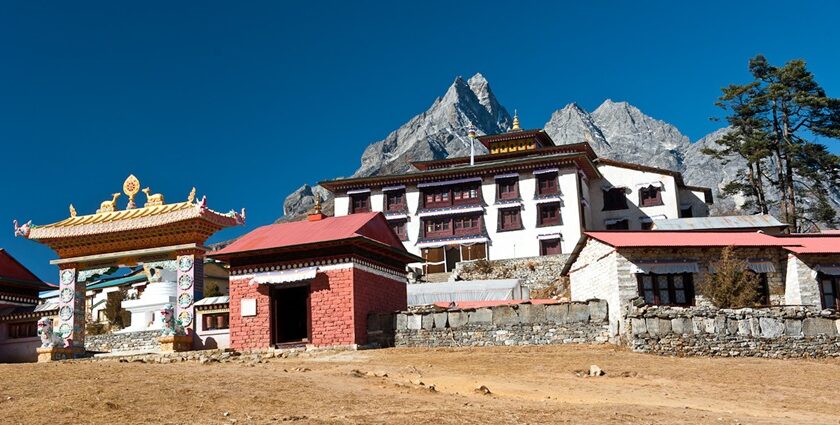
775,120
732,285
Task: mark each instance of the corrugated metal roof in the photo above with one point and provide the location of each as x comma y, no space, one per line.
373,226
718,223
813,244
136,277
213,301
638,239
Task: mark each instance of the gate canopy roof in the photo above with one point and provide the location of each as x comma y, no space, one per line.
154,225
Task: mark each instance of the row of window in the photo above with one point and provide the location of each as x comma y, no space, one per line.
548,214
616,199
678,289
464,194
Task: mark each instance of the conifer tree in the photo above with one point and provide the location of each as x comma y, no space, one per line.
775,120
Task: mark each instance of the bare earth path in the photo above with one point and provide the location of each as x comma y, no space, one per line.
528,385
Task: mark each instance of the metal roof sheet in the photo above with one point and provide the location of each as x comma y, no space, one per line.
646,238
721,222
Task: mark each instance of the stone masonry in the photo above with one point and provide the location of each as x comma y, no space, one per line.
522,324
707,331
533,272
129,341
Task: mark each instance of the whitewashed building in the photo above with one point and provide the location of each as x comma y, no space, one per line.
527,197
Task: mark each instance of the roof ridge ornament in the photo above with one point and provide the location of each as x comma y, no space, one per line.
131,187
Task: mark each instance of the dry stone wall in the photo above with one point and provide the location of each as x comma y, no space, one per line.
707,331
129,341
521,324
533,272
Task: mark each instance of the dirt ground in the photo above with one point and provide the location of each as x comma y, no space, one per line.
526,385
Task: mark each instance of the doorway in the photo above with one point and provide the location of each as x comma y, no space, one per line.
289,314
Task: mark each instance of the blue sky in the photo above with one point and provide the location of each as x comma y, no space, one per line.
248,100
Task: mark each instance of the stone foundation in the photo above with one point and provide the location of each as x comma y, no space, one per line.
707,331
175,343
49,354
534,272
128,341
522,324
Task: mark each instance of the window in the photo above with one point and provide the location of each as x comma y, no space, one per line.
437,227
667,289
467,225
547,184
619,225
507,188
548,214
436,197
395,200
615,199
399,227
650,196
686,212
550,247
763,289
509,219
360,203
466,194
23,330
216,321
829,291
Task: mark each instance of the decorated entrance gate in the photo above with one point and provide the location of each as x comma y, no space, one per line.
167,240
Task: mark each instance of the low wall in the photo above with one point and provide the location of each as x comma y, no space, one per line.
129,341
708,331
533,272
520,324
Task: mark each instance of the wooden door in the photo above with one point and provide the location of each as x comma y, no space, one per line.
477,251
434,260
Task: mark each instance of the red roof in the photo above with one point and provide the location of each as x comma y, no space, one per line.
13,271
372,226
647,238
813,244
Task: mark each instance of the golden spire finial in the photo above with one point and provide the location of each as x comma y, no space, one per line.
317,208
72,211
191,196
515,121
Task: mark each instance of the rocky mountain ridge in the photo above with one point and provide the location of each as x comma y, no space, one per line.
616,130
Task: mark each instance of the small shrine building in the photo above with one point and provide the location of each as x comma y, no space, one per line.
314,282
19,309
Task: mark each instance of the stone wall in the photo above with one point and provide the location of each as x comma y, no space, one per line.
708,331
129,341
521,324
533,272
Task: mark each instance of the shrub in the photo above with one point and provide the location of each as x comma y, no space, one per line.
118,317
733,284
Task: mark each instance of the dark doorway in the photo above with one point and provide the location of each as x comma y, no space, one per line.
289,314
453,256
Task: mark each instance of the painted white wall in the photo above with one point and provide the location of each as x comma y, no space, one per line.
630,178
595,275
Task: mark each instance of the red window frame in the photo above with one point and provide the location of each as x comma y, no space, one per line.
467,194
395,200
548,214
360,203
507,188
666,289
615,199
464,225
650,196
437,227
547,184
551,247
400,228
437,197
510,219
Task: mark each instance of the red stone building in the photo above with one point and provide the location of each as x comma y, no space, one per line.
314,282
